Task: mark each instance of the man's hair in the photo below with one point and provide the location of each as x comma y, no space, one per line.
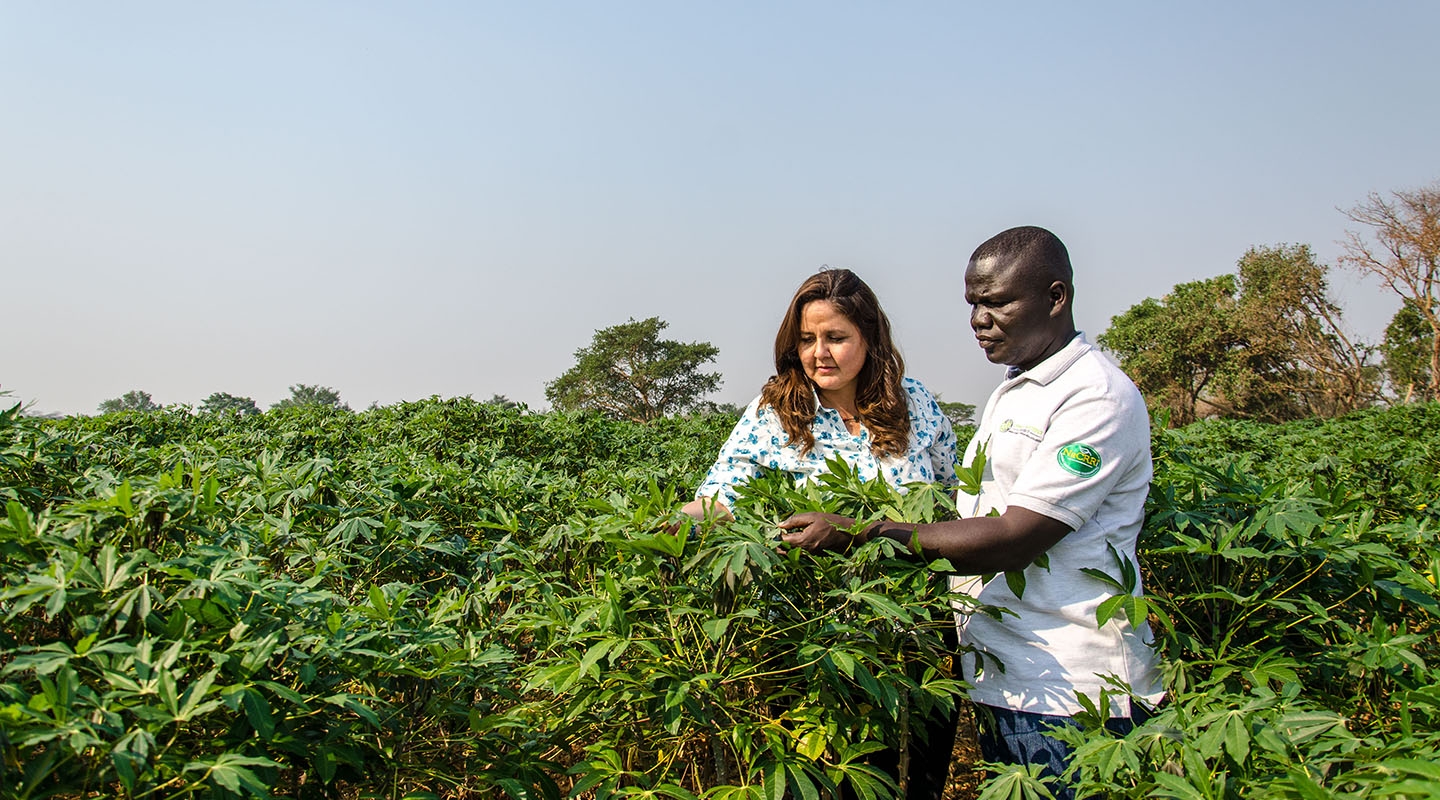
879,393
1035,250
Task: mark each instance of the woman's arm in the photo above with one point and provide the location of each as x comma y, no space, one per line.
702,507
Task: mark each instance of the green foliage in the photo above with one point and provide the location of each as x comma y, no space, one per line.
1407,347
302,394
1265,343
1402,249
1184,348
629,372
959,414
457,598
502,401
1293,573
133,400
225,403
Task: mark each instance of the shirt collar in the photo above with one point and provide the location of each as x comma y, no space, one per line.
1054,366
833,414
821,409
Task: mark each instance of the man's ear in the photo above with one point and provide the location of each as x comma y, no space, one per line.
1059,298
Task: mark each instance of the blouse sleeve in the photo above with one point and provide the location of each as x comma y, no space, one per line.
738,460
932,426
942,453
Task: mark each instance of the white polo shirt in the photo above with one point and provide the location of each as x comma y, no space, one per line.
1069,439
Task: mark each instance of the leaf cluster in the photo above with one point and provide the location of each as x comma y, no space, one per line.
1263,343
1295,599
456,598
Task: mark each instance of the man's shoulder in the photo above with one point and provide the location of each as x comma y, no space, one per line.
1095,371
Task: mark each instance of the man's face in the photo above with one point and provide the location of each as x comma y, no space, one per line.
1014,315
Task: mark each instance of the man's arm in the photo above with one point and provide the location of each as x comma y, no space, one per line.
974,546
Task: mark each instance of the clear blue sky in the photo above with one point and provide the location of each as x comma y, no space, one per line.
401,200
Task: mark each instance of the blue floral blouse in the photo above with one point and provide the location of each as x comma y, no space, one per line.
759,440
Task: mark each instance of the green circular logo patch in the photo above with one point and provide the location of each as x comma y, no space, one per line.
1079,459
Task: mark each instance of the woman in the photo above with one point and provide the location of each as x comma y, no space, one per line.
839,389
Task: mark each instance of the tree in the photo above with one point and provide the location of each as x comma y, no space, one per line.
1266,343
958,413
225,403
305,395
133,400
1285,307
1183,350
502,401
1405,256
629,372
1408,344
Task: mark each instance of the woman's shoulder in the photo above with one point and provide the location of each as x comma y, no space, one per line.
924,409
915,391
759,410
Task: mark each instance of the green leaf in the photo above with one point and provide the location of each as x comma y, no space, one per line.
972,476
192,702
131,756
598,651
257,713
1017,782
1015,580
802,783
1175,787
715,629
774,781
121,500
231,771
379,603
19,517
1412,766
1103,577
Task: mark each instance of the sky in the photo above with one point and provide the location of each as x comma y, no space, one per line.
406,200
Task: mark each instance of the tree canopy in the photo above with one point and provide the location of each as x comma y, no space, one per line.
1407,349
226,403
1318,367
629,372
133,400
306,395
958,413
1264,343
1403,251
502,401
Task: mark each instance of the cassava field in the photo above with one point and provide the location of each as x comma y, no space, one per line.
454,599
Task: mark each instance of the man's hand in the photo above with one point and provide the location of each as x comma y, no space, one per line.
816,532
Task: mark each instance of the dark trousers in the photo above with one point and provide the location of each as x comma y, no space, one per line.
932,743
1015,737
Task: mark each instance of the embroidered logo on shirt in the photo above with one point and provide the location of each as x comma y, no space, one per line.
1028,431
1079,459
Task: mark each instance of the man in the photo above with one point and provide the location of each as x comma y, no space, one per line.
1066,439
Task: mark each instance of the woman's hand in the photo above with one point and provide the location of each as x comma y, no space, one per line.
816,532
697,509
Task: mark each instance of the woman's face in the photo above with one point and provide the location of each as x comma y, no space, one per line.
832,350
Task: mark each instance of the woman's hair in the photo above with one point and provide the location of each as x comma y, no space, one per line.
879,395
